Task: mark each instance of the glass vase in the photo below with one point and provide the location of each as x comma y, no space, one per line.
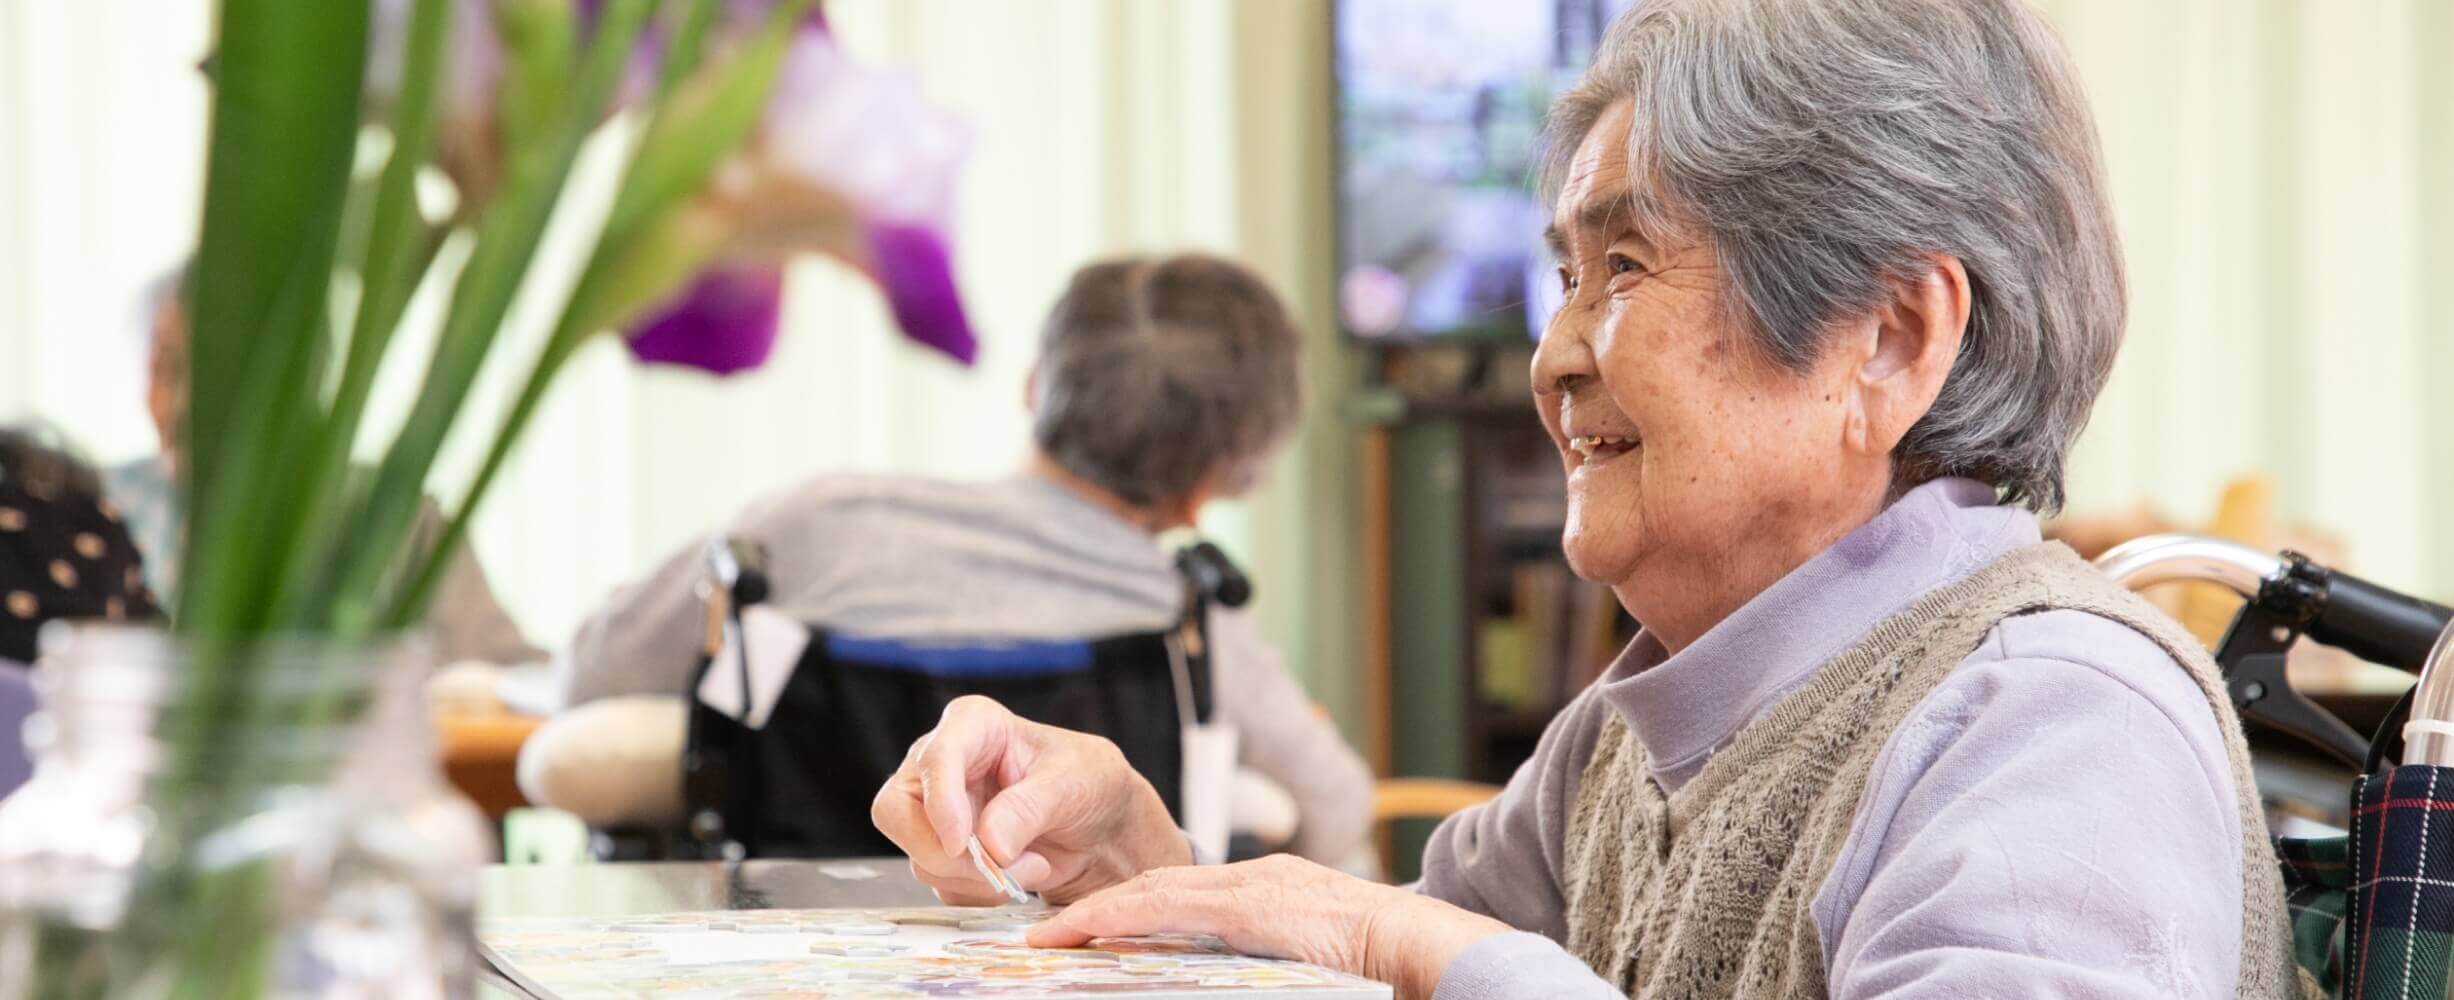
267,821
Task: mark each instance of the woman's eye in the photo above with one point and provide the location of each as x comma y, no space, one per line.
1567,283
1624,264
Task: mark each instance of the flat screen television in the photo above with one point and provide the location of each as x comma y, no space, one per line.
1439,110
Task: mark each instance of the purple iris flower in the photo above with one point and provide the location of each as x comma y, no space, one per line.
849,136
871,138
912,266
866,138
723,323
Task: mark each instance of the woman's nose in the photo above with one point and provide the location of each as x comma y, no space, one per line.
1565,353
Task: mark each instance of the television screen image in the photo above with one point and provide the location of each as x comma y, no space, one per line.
1439,116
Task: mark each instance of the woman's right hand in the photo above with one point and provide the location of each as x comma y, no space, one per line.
1061,811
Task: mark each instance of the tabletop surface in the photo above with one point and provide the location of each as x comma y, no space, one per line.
677,886
680,886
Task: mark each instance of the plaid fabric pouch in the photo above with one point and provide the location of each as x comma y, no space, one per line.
2399,911
2373,912
2317,887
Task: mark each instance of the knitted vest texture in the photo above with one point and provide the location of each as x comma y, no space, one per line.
1704,893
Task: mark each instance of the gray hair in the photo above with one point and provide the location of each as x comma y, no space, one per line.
1155,373
1821,147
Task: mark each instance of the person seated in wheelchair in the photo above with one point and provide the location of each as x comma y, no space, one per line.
1162,383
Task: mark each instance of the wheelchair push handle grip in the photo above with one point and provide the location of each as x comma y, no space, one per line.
740,567
1217,578
2377,624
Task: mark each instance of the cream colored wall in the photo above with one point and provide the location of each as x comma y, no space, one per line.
1304,542
101,141
2285,186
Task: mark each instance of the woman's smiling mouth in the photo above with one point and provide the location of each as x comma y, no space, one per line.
1596,448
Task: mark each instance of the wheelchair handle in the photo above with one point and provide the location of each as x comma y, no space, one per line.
2342,610
2145,562
2338,609
1214,574
2379,625
740,567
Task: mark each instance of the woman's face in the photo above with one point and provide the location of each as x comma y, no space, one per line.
1698,471
166,390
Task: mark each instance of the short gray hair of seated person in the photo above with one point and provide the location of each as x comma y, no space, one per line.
1821,146
1156,373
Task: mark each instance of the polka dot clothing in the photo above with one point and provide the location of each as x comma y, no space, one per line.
63,555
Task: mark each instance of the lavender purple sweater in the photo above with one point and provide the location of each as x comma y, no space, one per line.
2057,817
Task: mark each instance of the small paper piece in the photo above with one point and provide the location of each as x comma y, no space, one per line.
775,641
995,876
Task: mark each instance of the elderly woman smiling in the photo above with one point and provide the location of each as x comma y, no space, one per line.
1841,287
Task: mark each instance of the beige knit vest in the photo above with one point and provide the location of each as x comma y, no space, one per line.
1705,893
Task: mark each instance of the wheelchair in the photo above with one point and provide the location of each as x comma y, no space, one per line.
794,777
2372,910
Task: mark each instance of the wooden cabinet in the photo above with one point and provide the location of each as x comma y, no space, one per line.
1485,633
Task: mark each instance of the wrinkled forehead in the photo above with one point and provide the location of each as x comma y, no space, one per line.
1602,195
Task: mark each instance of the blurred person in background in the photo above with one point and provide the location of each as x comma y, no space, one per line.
1162,383
65,555
467,622
64,550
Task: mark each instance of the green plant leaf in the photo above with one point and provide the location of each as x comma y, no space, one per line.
540,48
694,126
286,82
284,130
644,271
506,244
690,22
399,246
700,124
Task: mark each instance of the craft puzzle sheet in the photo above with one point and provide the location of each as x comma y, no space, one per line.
920,952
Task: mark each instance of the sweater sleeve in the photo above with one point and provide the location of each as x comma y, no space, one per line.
1284,736
1520,966
646,638
2058,813
469,622
1503,859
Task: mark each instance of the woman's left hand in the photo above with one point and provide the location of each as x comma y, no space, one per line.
1284,907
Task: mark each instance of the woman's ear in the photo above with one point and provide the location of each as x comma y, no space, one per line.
1916,339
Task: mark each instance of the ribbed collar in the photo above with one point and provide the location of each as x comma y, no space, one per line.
1686,707
1062,500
